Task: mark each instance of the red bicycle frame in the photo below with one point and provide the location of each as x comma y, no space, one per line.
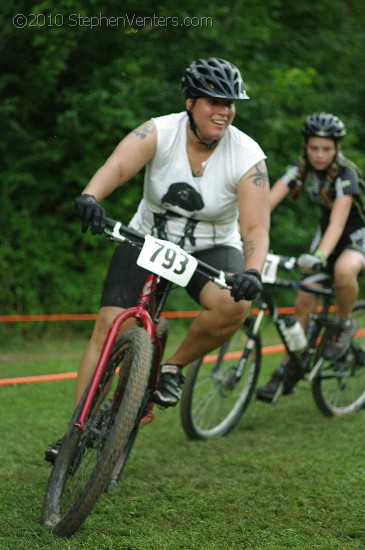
141,312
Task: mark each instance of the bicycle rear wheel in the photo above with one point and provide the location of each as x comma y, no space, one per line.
88,457
218,387
339,386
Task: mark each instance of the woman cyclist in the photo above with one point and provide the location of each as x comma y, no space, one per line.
201,175
336,185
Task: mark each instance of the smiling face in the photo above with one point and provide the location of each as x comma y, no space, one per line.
320,152
211,116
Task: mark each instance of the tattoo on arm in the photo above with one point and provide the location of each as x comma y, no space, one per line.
145,129
260,177
248,248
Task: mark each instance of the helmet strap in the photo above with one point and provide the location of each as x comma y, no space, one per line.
195,132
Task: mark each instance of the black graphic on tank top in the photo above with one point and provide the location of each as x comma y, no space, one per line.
185,197
160,221
160,225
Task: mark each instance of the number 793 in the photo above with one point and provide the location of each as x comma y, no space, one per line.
169,257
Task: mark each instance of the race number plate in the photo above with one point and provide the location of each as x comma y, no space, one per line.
270,269
167,260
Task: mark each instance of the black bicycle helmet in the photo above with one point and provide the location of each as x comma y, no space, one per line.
213,77
323,125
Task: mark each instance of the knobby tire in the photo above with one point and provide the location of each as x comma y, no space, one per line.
162,332
87,458
339,386
213,399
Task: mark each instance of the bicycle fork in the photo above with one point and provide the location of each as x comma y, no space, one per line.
137,312
250,345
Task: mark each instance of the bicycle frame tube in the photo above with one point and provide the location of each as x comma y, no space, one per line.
325,293
139,312
299,359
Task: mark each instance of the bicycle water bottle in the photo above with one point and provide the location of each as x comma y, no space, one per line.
294,333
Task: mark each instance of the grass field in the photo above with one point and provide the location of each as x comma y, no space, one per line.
285,478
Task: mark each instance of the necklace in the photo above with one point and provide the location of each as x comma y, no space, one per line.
199,171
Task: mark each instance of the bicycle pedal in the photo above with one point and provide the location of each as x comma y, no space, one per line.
272,399
278,393
149,417
113,484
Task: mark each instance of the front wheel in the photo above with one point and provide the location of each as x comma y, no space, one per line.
87,458
339,386
162,333
218,387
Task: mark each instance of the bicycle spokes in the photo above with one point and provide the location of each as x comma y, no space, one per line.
218,388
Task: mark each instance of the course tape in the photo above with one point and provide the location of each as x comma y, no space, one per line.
72,375
89,317
92,316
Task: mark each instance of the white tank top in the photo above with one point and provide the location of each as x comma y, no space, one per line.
205,208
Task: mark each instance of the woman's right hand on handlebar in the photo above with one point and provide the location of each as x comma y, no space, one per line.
91,213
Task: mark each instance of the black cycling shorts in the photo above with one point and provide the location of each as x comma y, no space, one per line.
125,279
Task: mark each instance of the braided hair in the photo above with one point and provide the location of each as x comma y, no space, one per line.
304,167
321,125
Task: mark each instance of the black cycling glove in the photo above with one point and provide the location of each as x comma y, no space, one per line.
246,285
91,213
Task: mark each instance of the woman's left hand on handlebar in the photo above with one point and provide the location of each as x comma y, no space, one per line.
246,285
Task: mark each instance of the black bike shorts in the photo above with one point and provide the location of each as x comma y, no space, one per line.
125,279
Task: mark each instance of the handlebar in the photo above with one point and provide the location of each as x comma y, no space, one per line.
290,264
114,224
119,232
122,233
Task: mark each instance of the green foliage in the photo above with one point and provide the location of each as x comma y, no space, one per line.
74,81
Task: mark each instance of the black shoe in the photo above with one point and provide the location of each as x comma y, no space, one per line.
271,391
281,382
338,338
169,389
52,452
292,376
